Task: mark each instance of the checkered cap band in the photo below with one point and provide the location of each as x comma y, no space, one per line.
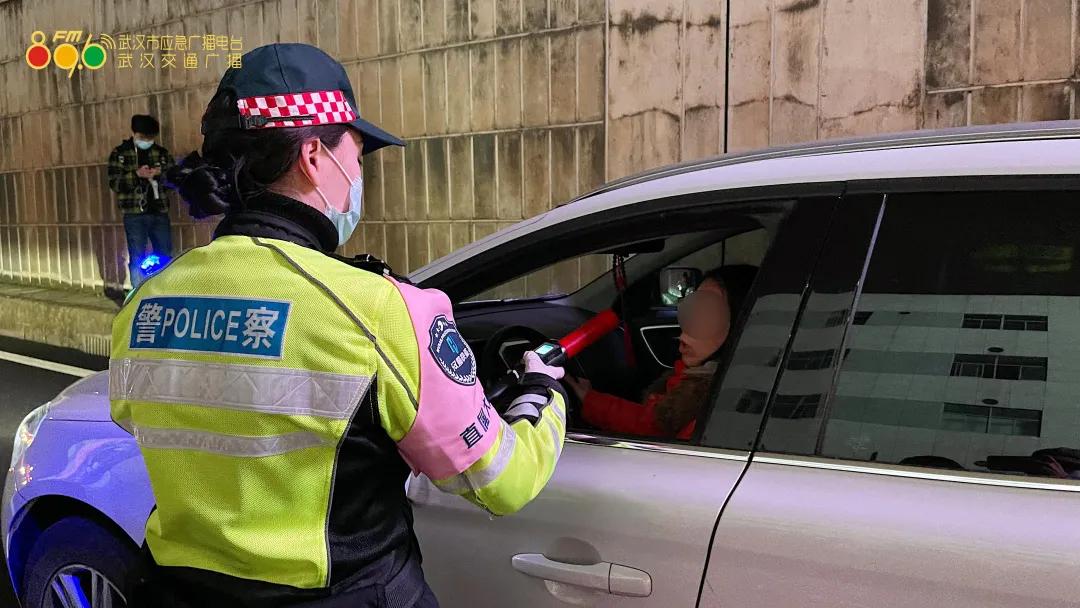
316,108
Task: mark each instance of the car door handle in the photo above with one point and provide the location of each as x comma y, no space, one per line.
611,578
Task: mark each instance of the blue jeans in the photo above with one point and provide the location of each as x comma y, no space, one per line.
140,227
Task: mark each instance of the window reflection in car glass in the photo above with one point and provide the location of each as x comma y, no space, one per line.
964,351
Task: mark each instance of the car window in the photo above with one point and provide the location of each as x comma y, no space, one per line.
964,347
568,276
625,374
561,278
654,398
680,278
746,248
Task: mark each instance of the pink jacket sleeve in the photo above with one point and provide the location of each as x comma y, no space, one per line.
457,438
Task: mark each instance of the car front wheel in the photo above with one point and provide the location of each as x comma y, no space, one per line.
77,563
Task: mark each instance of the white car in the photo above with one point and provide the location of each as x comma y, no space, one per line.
893,421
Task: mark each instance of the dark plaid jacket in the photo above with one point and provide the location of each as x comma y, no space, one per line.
131,190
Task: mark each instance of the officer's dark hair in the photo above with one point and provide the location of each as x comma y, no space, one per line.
237,164
145,124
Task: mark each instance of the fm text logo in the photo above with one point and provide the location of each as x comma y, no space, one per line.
66,55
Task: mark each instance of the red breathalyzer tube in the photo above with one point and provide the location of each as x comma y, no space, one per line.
555,353
589,332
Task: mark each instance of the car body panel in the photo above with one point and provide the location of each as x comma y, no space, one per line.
652,510
820,536
11,503
94,463
82,400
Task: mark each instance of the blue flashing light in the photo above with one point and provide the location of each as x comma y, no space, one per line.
149,262
152,263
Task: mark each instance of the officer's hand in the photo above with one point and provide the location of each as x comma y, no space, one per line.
533,365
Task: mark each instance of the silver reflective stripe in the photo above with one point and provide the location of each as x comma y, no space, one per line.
498,464
228,445
241,387
522,410
529,398
555,437
454,485
466,481
528,406
560,413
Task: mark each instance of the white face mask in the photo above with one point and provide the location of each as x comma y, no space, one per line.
345,222
144,144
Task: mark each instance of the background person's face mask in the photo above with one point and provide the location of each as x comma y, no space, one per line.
144,144
346,222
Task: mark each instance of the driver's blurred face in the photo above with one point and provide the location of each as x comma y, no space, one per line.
705,318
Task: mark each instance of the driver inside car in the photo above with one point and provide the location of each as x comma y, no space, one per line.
672,403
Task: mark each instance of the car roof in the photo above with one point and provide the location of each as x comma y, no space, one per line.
1045,148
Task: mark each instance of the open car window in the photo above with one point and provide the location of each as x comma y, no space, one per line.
524,297
586,280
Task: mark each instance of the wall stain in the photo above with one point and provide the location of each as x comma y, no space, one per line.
914,98
800,6
877,106
749,101
642,24
704,107
793,99
713,21
948,49
910,101
642,113
953,98
796,51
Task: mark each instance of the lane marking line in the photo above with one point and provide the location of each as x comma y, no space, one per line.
49,365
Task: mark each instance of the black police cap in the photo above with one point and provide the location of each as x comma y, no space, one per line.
292,85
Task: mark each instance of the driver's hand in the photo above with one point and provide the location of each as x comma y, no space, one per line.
580,386
533,365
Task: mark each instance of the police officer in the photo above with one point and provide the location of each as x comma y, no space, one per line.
279,395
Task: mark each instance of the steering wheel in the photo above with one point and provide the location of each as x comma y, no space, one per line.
491,365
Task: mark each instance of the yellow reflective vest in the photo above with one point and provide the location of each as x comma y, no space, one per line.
277,394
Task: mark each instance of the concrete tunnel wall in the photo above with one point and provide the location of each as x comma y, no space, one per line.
510,106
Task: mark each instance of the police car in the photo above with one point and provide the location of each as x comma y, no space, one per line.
894,420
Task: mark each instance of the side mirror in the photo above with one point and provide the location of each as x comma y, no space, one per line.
676,282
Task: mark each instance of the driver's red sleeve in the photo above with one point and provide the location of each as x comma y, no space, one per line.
619,415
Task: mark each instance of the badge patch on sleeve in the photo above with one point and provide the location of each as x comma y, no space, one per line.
237,326
451,351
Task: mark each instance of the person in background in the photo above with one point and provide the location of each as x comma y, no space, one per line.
672,404
135,170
